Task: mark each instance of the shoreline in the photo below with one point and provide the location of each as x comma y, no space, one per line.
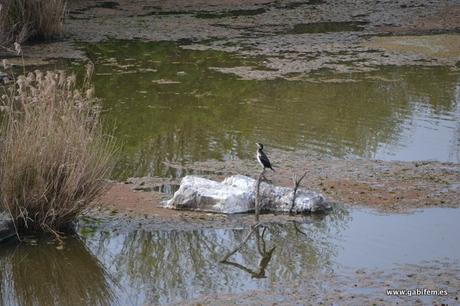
382,187
392,187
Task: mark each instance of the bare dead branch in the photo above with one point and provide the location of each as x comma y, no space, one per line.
257,200
296,181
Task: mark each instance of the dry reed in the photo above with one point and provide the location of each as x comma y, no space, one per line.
54,156
21,20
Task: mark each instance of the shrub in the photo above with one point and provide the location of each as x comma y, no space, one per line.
21,20
54,156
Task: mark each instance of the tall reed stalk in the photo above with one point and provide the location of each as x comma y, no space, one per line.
54,156
21,20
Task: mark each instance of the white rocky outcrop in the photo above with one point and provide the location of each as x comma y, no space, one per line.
236,194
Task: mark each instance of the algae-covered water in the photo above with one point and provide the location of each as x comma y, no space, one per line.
169,103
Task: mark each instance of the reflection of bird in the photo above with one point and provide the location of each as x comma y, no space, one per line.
262,158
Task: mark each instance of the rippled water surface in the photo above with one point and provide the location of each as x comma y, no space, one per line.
128,264
167,102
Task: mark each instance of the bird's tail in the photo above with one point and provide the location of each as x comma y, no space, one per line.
271,167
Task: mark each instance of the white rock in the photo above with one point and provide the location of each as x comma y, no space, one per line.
236,194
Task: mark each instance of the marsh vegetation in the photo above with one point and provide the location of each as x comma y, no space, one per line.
23,20
54,155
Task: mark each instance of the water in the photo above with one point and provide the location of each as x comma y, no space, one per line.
167,103
130,264
327,27
232,13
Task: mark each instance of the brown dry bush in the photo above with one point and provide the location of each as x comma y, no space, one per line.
21,20
54,155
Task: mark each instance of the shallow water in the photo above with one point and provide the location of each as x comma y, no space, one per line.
168,103
327,27
139,262
231,13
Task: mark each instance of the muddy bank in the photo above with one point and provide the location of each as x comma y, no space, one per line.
126,204
386,186
380,184
290,38
393,187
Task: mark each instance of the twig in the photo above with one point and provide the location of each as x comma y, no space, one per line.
296,181
241,243
257,200
57,235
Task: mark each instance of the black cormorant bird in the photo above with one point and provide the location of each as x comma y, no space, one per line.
262,158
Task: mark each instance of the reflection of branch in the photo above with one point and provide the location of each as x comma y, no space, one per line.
261,242
239,266
241,244
264,262
298,230
296,181
266,256
260,272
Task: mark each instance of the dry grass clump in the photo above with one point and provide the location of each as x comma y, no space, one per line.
54,156
21,20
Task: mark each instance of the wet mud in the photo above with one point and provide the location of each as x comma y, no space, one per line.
385,186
